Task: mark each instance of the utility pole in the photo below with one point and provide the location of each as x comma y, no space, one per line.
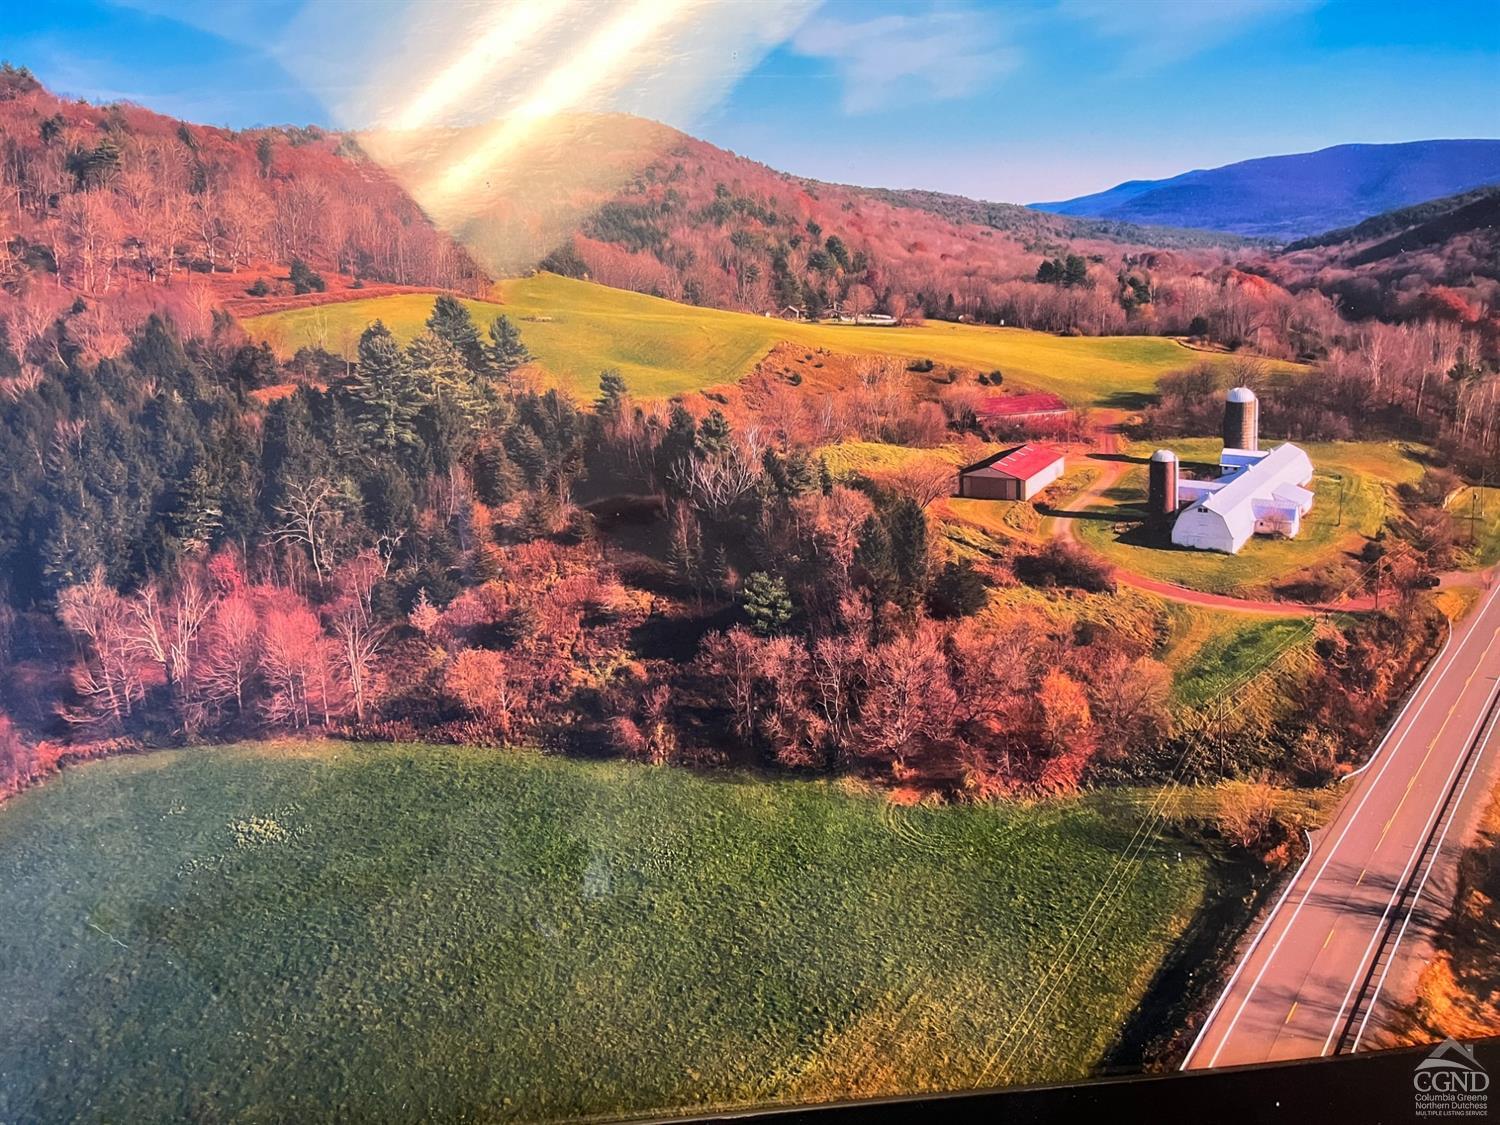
1340,521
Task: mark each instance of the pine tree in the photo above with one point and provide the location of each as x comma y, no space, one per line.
506,352
767,603
437,365
385,395
907,528
713,434
450,321
612,391
200,511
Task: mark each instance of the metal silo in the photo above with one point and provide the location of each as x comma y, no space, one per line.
1241,419
1161,496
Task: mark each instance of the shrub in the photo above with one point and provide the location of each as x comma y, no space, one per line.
260,289
1066,564
957,591
304,280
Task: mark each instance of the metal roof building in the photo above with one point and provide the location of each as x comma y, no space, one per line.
1259,492
1020,407
1012,474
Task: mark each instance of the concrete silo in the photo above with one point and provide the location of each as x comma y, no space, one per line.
1241,419
1161,494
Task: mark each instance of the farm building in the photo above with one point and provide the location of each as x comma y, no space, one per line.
1256,493
1012,474
1020,408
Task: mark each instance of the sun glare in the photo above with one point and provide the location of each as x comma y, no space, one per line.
608,58
515,29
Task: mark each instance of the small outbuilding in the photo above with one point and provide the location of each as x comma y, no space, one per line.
1021,408
1011,474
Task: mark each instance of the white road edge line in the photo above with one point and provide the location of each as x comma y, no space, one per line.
1412,698
1266,925
1354,815
1421,886
1416,856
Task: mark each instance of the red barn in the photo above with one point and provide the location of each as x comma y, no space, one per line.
1018,408
1011,474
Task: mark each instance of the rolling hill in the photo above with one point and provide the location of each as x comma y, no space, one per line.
1289,197
577,328
1438,258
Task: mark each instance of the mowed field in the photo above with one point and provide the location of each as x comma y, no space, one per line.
404,933
1364,472
576,329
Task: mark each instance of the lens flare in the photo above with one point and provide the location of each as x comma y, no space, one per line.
512,32
608,57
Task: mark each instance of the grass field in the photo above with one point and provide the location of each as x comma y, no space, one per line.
403,933
1210,649
1477,511
1364,472
665,348
874,457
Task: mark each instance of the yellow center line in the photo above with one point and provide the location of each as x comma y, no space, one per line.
1329,937
1292,1013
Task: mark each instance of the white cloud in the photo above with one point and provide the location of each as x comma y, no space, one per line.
1153,33
901,57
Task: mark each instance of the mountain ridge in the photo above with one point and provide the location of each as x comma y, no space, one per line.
1296,195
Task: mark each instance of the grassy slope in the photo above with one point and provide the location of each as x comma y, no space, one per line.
416,933
1368,469
664,348
1477,511
1210,649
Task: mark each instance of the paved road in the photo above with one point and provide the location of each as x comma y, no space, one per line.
1293,989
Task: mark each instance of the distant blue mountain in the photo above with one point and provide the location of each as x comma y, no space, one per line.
1287,197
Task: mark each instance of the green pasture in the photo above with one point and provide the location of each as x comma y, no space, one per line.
577,328
332,931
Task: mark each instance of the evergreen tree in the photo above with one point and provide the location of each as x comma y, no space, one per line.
677,445
825,477
791,475
957,591
713,434
450,321
200,511
906,526
457,404
304,279
384,394
506,352
612,391
767,603
494,475
873,556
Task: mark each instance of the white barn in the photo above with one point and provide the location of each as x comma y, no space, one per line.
1259,492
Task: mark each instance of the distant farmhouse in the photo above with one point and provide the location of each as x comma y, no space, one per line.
1011,474
1257,492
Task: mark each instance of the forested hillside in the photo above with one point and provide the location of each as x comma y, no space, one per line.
1438,259
135,212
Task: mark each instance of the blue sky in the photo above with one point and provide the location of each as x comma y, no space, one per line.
1020,100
